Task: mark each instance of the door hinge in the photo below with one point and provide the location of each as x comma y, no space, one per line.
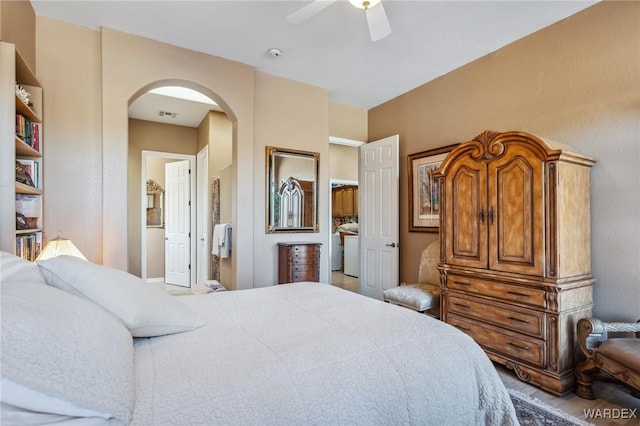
189,266
189,234
189,171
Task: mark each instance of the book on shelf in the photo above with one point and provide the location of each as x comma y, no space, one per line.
28,132
28,172
28,246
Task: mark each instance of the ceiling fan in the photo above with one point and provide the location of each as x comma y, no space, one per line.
376,17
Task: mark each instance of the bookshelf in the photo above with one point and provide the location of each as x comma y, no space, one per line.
21,143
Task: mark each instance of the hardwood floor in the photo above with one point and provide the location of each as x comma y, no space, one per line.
614,404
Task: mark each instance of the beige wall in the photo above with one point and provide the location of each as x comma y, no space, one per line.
69,71
216,131
150,136
343,162
226,272
347,122
576,82
299,119
17,24
220,137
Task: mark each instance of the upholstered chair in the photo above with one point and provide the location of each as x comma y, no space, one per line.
618,357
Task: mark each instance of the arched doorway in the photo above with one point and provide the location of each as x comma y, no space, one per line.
166,124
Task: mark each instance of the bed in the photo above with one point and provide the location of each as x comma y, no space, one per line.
300,354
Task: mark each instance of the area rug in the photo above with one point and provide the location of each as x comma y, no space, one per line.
533,412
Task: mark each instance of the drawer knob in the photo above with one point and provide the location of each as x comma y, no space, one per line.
461,327
461,304
461,283
512,318
524,348
515,293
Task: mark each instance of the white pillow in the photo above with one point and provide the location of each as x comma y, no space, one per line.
15,269
348,227
145,309
63,355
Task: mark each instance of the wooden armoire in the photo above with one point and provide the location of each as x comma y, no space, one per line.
515,258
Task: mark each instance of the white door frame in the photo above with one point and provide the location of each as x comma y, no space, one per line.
330,221
143,214
338,141
203,236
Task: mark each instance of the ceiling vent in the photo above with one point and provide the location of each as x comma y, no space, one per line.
167,114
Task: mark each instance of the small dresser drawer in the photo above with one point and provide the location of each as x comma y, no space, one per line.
521,347
509,292
304,276
525,321
298,261
304,258
305,267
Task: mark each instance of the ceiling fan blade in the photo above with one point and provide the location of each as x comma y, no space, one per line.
379,26
301,15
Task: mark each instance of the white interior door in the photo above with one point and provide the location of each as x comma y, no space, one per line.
378,216
178,224
203,219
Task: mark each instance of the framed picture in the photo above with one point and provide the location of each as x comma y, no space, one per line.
424,192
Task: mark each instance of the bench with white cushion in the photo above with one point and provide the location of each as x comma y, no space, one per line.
423,296
419,297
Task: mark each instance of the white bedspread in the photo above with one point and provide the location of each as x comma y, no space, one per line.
309,353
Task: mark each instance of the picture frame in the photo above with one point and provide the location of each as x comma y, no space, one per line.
424,192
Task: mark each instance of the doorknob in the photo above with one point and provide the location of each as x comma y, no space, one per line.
392,245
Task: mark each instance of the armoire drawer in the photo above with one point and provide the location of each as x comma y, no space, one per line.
520,347
509,292
521,320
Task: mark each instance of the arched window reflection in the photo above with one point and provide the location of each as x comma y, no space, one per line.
291,203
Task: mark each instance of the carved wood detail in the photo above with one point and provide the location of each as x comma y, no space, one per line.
512,212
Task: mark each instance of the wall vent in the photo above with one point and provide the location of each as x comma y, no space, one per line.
167,114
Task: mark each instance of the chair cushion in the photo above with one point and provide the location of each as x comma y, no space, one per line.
417,296
624,351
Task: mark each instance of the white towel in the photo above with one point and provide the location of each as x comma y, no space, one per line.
221,245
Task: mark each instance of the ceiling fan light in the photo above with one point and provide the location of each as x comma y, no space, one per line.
364,4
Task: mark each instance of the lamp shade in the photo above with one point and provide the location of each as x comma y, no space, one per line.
60,246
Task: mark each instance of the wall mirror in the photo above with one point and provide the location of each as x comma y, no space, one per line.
155,204
292,190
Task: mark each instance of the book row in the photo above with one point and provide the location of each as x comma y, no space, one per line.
28,131
28,246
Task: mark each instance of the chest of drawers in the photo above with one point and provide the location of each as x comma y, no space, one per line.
298,261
